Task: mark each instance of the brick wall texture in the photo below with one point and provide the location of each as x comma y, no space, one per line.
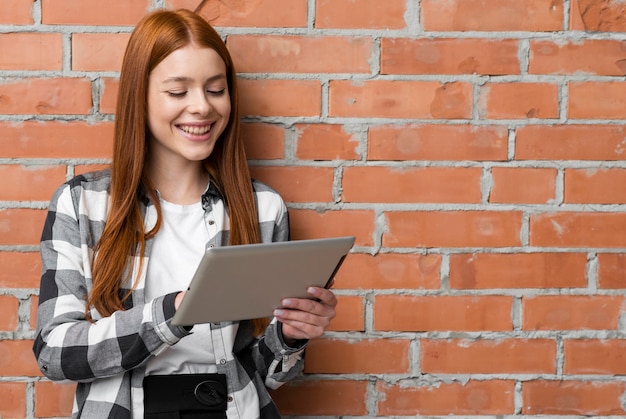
474,148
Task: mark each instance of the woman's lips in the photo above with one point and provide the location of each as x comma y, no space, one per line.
195,129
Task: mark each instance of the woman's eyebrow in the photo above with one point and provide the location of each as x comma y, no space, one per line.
179,79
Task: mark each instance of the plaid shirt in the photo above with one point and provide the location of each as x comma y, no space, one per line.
107,358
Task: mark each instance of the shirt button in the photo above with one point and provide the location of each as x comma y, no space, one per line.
222,361
230,399
211,222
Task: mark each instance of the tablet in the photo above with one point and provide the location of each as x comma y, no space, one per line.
249,281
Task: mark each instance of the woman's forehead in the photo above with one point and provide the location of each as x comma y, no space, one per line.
190,63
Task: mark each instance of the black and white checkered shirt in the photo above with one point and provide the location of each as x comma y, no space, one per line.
107,357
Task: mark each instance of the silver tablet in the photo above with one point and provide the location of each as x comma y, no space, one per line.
249,281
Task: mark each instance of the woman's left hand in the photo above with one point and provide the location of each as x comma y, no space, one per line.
304,318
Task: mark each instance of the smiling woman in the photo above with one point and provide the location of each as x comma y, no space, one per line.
120,246
187,114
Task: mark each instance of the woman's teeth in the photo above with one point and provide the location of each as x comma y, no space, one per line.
196,130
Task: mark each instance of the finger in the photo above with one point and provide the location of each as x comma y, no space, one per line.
324,295
303,317
297,330
306,305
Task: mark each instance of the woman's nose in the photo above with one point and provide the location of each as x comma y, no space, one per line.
199,103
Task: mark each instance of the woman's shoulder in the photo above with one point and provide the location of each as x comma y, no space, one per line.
83,195
99,180
263,190
75,188
270,203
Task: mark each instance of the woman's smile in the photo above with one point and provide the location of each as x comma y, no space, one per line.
195,132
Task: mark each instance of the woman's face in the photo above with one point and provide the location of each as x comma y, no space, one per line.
188,105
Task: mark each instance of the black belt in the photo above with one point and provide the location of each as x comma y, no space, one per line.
185,396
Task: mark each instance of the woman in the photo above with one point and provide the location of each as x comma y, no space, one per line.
119,246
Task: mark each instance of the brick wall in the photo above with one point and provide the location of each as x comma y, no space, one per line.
474,148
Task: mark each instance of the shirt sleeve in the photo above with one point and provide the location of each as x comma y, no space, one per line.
274,360
67,346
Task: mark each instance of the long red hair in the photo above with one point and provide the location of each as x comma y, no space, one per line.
155,37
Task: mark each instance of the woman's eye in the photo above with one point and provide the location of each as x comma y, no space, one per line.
216,92
177,94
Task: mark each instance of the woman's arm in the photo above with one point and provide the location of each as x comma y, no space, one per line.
68,346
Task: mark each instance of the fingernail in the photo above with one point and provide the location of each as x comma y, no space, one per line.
278,313
286,302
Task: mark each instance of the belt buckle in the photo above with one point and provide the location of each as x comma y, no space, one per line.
206,393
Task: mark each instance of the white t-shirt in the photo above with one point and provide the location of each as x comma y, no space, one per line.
176,252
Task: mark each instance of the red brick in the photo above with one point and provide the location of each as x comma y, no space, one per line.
20,270
300,54
108,98
494,15
576,21
452,229
350,314
16,12
311,224
411,185
489,397
93,12
449,56
570,142
389,271
280,97
514,100
27,183
298,184
56,140
602,15
80,169
442,313
366,14
182,4
581,398
519,270
612,270
21,226
400,99
98,51
12,399
371,356
325,142
322,398
598,57
8,313
53,399
45,96
258,13
506,356
572,312
589,356
437,142
523,185
263,141
17,360
575,229
597,100
31,51
595,186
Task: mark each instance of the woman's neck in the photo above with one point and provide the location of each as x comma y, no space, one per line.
183,185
